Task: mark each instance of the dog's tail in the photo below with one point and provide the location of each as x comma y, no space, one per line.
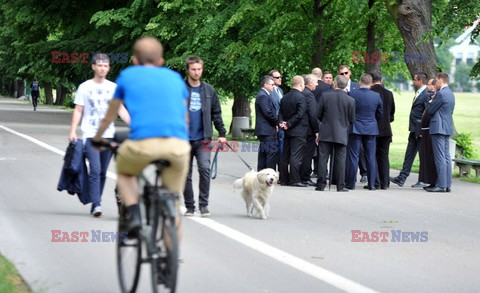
238,184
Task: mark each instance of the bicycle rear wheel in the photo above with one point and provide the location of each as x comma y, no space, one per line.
129,260
165,267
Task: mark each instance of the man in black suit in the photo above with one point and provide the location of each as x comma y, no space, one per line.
414,126
368,109
266,122
276,96
294,121
319,90
312,129
351,86
336,111
384,138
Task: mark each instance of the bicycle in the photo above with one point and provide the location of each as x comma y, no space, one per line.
158,233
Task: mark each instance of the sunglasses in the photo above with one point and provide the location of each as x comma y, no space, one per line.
277,77
344,73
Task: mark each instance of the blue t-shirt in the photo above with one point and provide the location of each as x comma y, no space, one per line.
196,115
156,100
35,86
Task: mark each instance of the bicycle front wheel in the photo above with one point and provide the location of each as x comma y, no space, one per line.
165,267
129,259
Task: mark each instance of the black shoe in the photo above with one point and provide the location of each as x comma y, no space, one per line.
190,212
429,186
204,212
420,185
133,222
448,189
364,179
298,184
310,183
368,187
320,188
397,181
435,189
384,188
342,190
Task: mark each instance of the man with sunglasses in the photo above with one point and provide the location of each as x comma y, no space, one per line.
276,96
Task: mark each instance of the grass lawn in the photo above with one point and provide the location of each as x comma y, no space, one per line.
10,281
466,118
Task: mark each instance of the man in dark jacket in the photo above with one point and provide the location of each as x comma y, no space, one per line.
336,111
384,137
414,125
294,122
368,109
266,121
312,129
204,108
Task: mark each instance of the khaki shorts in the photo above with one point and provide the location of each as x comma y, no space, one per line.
134,155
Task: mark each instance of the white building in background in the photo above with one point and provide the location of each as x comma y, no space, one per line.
465,51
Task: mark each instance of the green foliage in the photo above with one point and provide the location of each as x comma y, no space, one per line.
464,141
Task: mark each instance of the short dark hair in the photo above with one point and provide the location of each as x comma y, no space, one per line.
193,59
376,75
444,77
266,79
422,76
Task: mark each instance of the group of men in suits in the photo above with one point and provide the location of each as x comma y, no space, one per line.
431,125
340,124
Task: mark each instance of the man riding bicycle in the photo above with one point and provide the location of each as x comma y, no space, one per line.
156,98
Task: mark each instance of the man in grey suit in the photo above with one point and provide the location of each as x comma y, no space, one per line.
441,127
336,111
266,122
418,107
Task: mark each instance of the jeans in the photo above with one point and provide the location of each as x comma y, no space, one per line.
97,174
200,150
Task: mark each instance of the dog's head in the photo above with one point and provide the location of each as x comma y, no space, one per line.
268,176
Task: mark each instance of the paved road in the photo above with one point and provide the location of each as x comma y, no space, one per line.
305,246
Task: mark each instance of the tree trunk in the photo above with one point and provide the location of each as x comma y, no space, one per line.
318,41
61,93
13,89
241,107
20,88
414,21
372,62
48,93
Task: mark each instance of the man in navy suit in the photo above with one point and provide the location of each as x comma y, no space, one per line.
351,86
368,109
266,121
441,127
414,126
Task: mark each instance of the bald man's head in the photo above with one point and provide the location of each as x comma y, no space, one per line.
148,51
298,83
317,72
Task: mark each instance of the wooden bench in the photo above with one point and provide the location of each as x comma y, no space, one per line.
248,132
466,164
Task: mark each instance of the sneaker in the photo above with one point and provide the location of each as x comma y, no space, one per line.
189,212
204,212
97,211
364,179
420,185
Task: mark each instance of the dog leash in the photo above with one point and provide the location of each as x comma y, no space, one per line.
214,166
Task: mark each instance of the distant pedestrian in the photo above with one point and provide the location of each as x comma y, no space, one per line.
35,93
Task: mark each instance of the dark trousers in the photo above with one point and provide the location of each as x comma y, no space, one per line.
410,154
353,156
98,161
339,157
383,163
268,152
202,153
362,163
443,162
35,95
281,137
292,155
308,150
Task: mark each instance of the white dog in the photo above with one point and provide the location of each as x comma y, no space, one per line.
256,189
